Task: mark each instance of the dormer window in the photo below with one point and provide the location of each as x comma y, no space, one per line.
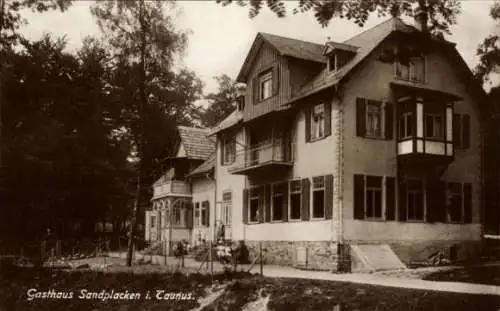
338,59
240,104
332,62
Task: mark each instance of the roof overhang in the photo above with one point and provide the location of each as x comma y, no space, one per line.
408,88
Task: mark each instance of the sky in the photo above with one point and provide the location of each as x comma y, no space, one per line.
220,37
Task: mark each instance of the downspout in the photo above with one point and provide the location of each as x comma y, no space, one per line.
339,136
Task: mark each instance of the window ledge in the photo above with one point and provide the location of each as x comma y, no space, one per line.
374,137
318,219
375,219
313,140
294,220
417,221
277,221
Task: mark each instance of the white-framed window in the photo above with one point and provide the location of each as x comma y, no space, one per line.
266,85
415,200
405,125
414,70
228,149
278,200
318,121
332,63
373,197
434,126
205,205
318,197
196,213
226,207
253,205
455,206
373,118
295,199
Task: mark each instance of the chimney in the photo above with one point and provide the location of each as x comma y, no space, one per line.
421,19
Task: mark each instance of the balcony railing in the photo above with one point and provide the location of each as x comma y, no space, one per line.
172,187
276,153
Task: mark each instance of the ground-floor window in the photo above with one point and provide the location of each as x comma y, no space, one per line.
373,204
253,203
454,203
278,200
226,207
205,205
295,199
196,213
153,221
318,206
415,200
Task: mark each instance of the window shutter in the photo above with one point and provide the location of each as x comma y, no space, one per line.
389,120
390,198
360,117
359,197
207,204
467,203
262,203
306,189
457,125
276,80
189,216
245,206
267,193
402,201
328,196
328,119
307,130
255,84
285,203
466,130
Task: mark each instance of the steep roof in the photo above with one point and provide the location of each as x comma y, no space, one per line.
196,143
286,47
205,167
234,118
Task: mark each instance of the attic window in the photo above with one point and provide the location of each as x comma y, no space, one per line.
332,62
338,59
240,104
266,85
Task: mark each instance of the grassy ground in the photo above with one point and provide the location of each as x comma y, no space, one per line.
489,275
283,294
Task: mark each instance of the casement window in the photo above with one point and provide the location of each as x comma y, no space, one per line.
461,131
226,207
412,69
318,197
295,199
228,154
266,85
454,202
405,125
197,221
153,221
278,201
318,121
368,197
434,126
374,119
415,200
177,216
254,205
205,213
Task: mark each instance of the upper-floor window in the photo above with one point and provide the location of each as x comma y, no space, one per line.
371,117
332,62
405,125
266,85
434,126
461,131
228,150
374,119
318,122
412,69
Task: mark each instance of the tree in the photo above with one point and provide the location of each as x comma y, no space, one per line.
442,13
489,50
221,103
153,98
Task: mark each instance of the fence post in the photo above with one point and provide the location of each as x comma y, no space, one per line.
260,259
211,260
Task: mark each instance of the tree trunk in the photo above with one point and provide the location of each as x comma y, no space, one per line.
141,143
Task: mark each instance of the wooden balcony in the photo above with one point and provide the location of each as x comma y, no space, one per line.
172,188
274,155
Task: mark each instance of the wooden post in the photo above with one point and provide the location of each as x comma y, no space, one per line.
165,252
260,259
211,261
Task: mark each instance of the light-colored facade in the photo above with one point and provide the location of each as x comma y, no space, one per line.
354,146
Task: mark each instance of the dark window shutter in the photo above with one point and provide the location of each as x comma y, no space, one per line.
402,201
328,196
262,203
467,203
466,130
389,120
267,194
436,202
245,206
360,117
276,80
359,197
306,189
255,85
207,204
328,119
189,216
286,201
308,124
457,125
390,198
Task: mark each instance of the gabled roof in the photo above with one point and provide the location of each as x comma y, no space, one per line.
234,118
195,142
205,167
286,47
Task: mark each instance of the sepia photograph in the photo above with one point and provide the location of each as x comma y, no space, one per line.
255,155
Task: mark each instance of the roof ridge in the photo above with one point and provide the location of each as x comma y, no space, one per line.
392,19
289,38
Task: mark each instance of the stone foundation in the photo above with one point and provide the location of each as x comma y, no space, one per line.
312,255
